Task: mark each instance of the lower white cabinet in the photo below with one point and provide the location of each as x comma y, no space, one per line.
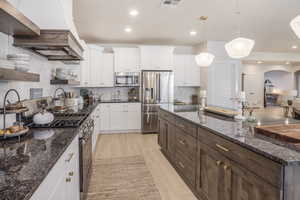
62,182
120,116
97,124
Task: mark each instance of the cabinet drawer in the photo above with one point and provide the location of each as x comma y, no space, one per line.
186,144
134,107
258,164
186,126
186,168
167,116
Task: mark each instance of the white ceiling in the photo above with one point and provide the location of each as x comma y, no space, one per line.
266,21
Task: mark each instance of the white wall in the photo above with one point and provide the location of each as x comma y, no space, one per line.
281,79
254,79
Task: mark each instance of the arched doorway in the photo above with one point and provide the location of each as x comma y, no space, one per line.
276,82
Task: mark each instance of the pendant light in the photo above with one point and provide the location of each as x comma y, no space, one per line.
295,25
240,47
204,59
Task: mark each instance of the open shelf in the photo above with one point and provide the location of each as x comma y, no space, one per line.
13,22
13,75
64,82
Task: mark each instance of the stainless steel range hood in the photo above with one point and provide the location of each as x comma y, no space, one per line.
58,39
56,45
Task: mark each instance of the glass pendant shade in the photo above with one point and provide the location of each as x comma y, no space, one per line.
204,59
295,25
239,47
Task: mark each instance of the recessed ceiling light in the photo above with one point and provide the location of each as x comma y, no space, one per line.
259,62
134,13
193,33
128,30
294,47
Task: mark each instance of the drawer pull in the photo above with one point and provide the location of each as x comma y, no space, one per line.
181,165
226,167
222,148
181,126
71,173
70,157
182,142
219,163
68,180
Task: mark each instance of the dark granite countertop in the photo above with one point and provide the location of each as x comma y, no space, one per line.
24,164
239,133
119,101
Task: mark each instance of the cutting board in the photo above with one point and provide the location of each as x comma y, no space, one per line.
287,133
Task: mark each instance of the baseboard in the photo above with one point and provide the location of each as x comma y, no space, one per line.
121,131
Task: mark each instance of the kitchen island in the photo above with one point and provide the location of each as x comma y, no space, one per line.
222,159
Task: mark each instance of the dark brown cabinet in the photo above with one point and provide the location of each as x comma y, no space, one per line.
247,186
215,168
220,178
162,136
213,174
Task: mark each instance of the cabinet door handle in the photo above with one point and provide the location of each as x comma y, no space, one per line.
68,180
182,142
71,173
219,163
181,126
181,165
70,157
226,167
222,148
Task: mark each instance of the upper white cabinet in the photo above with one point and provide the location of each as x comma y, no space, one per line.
107,69
85,68
186,71
97,70
156,57
127,59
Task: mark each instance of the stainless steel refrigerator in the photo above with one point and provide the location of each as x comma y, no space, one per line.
157,88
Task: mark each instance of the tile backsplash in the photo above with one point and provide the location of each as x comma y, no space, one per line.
185,93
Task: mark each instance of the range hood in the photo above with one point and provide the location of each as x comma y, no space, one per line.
58,39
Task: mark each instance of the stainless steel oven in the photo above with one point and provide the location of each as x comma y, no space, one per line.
127,79
85,155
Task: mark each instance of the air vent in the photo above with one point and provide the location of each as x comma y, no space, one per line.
170,3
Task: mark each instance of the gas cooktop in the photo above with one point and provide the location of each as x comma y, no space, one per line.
61,120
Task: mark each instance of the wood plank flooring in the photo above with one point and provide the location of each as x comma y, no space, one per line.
168,182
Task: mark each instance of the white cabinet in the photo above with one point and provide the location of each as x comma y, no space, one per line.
95,66
97,124
105,117
85,68
127,59
62,182
120,117
156,57
97,70
107,70
186,71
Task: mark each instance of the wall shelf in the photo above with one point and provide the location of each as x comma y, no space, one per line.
13,22
13,75
64,82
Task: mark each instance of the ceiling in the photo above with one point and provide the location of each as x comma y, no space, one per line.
266,21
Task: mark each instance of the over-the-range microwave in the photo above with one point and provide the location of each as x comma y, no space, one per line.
127,79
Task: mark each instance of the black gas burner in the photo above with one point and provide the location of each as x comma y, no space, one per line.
61,120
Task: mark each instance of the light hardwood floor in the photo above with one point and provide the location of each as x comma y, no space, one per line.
168,182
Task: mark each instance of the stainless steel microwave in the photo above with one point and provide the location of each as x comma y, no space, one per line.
127,79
